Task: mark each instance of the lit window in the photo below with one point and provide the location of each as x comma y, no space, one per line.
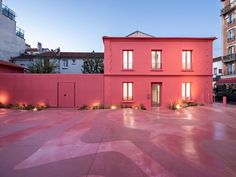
186,59
127,91
65,63
156,59
127,59
186,91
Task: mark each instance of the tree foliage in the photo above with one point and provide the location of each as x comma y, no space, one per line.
44,65
93,65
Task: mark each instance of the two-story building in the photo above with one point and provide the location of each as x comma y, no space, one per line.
155,71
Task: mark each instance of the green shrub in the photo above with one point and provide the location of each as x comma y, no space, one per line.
28,107
40,107
2,105
142,107
9,106
16,106
172,106
84,107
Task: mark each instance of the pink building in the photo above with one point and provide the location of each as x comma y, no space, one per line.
155,71
138,69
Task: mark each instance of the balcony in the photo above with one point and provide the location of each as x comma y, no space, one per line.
231,22
229,58
20,33
229,74
231,39
228,8
8,12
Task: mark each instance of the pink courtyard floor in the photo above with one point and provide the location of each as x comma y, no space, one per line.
194,142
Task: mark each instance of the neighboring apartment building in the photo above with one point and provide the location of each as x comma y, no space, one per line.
229,42
12,42
67,62
155,71
217,68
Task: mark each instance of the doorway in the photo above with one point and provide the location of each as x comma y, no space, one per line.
66,94
156,94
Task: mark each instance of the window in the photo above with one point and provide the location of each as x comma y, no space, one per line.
231,35
186,91
65,63
73,62
127,59
220,71
231,18
215,71
156,59
186,59
231,50
127,91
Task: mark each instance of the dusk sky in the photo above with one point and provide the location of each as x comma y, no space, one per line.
78,25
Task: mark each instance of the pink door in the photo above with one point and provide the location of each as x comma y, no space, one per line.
66,94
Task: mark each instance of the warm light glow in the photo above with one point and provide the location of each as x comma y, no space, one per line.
113,107
3,98
178,106
35,109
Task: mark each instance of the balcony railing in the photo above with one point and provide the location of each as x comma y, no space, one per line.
231,39
231,22
20,33
228,8
230,73
8,12
229,58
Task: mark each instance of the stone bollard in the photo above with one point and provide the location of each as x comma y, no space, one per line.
224,100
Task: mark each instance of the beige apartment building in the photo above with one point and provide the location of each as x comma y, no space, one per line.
228,14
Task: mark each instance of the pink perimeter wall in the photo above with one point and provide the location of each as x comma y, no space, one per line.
44,89
8,69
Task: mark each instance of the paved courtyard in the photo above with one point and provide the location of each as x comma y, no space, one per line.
194,142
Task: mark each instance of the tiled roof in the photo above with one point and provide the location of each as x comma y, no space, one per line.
6,63
66,55
31,50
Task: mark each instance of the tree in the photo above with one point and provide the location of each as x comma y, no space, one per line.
44,65
93,65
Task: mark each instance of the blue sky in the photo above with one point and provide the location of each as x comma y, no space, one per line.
78,25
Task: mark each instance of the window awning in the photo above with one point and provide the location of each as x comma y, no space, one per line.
227,81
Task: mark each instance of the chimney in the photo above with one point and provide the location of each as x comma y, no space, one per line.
39,46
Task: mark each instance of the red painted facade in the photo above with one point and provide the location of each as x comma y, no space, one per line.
170,76
183,70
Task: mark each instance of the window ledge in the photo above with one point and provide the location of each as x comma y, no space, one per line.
127,70
64,67
126,101
156,70
186,70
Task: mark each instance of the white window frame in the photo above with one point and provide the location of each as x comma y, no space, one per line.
186,59
156,59
127,59
186,90
65,63
127,91
230,34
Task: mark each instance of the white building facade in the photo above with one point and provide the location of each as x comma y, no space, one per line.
12,42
